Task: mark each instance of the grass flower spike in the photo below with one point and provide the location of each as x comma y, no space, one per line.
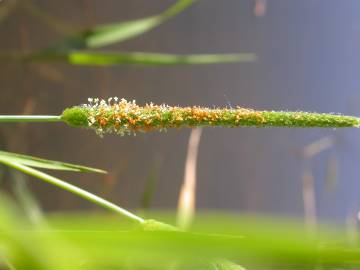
123,117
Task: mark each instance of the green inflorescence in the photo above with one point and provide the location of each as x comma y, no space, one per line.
123,117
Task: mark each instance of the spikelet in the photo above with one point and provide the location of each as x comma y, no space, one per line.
123,117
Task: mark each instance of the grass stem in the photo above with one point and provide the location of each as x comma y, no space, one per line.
30,118
75,190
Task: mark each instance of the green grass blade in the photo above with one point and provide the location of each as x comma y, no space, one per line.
108,34
45,163
138,58
25,245
26,199
73,189
98,58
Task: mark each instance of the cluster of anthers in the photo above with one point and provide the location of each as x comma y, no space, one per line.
105,116
123,117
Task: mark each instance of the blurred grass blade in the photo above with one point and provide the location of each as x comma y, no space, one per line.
137,58
25,246
26,199
98,58
313,149
73,189
309,200
45,163
222,264
150,186
331,178
187,196
255,241
108,34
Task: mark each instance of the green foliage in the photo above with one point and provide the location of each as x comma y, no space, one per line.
25,163
226,265
104,35
76,50
154,59
24,245
71,188
44,163
94,241
105,242
98,58
154,225
154,244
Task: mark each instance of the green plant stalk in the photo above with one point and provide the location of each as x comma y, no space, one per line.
124,117
108,58
30,118
75,190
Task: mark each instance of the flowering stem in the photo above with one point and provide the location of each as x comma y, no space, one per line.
30,118
126,117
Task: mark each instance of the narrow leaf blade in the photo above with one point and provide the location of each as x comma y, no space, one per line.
73,189
45,163
104,35
140,58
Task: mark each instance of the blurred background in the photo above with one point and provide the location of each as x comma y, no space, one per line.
306,60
